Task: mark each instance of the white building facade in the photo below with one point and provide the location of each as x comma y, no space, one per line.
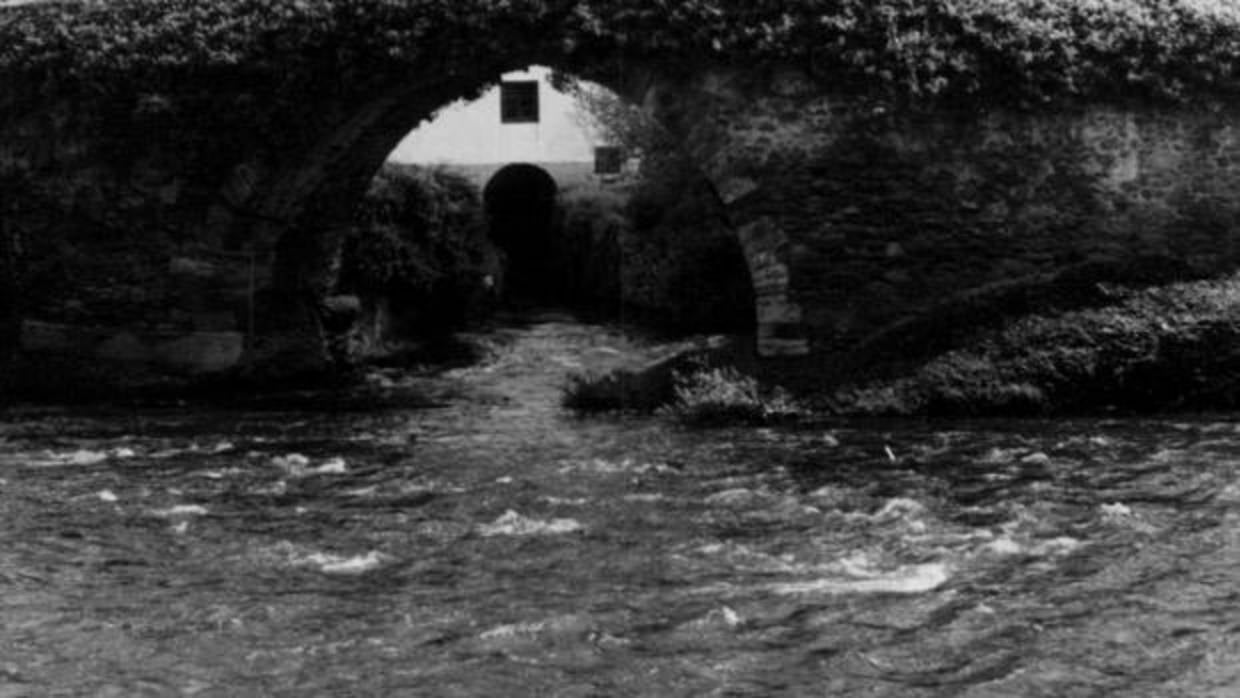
523,119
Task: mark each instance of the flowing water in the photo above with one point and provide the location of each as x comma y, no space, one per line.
495,545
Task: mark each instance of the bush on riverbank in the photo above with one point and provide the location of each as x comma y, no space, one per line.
1167,347
724,395
419,258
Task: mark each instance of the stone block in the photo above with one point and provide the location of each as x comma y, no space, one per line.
214,321
201,352
124,346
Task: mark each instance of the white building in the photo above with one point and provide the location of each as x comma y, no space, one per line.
523,119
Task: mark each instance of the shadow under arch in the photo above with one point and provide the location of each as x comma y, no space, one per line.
521,202
308,201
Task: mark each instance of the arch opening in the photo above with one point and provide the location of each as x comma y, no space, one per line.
560,230
521,203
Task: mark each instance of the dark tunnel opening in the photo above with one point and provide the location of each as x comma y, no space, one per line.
521,209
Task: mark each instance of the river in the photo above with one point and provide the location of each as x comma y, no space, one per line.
490,543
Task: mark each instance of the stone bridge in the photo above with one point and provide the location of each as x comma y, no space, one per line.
858,210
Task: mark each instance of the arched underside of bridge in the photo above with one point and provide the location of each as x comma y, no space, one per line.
307,206
277,151
858,212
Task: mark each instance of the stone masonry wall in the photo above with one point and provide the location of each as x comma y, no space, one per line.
858,215
854,214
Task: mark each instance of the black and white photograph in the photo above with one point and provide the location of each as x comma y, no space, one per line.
620,348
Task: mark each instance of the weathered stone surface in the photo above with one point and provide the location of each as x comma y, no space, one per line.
890,211
124,346
202,351
853,216
196,352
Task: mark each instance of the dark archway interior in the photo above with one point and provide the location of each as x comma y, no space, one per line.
521,207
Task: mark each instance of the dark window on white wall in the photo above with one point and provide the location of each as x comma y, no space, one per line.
518,102
608,159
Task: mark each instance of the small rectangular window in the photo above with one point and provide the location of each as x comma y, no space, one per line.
608,159
518,102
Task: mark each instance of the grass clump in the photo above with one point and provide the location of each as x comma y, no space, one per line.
718,396
1153,349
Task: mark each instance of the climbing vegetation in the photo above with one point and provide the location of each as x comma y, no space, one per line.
1021,51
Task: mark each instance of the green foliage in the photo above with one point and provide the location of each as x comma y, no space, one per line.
727,396
1025,51
420,239
618,121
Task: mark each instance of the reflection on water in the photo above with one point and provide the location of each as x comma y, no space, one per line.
500,547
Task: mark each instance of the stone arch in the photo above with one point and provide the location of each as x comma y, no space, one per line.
307,205
779,319
274,141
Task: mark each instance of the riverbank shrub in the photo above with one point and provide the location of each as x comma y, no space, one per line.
1159,348
957,320
419,253
725,395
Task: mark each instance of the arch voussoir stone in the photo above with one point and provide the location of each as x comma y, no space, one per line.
779,331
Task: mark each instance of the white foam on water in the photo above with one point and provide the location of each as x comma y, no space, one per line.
217,448
560,501
290,554
909,579
79,457
1003,455
1121,515
558,624
1007,545
737,497
219,474
1057,546
276,489
328,563
1004,546
1231,493
909,512
606,467
723,617
180,511
290,461
565,630
514,524
331,466
645,497
1115,510
899,508
298,466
